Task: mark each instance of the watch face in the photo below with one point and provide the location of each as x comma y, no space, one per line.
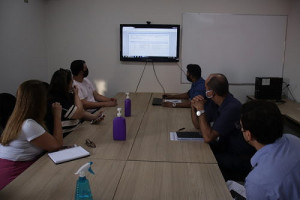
199,112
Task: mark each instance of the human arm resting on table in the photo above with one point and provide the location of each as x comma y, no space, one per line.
200,122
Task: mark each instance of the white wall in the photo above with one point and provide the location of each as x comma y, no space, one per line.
89,30
22,43
292,63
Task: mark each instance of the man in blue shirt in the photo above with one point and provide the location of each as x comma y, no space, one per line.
197,88
217,118
276,164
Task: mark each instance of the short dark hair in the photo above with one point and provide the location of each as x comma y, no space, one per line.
77,66
263,119
194,70
219,84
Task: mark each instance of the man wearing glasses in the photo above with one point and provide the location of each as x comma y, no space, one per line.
216,117
276,164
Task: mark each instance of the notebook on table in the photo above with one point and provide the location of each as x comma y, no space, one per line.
68,154
189,136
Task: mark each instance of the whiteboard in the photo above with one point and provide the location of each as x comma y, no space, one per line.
241,47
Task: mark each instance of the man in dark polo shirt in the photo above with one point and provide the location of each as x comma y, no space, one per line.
217,118
197,88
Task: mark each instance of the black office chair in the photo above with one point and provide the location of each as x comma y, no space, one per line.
7,104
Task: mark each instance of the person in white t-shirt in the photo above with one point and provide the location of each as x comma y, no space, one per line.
24,138
90,98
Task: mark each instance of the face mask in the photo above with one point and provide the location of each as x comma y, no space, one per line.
189,78
209,97
86,73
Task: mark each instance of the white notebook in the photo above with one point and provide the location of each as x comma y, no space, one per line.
68,154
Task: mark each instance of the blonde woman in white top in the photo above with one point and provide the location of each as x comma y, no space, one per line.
24,138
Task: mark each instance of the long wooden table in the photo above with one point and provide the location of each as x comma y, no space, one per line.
153,141
145,166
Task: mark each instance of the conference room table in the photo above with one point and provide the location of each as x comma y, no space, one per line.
289,108
147,165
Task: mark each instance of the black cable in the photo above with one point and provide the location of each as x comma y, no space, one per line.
181,68
140,78
287,86
291,93
158,79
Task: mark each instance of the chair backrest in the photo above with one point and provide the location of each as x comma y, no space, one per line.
7,104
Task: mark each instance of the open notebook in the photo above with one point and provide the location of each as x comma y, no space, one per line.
65,155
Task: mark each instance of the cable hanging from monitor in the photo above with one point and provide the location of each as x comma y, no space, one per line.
140,78
288,89
181,68
157,78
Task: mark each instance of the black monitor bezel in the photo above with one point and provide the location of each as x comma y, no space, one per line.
150,58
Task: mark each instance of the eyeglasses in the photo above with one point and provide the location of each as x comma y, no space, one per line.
90,143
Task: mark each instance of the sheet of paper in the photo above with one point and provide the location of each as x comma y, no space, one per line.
232,185
173,136
173,100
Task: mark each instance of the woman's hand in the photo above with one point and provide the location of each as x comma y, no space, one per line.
75,90
99,117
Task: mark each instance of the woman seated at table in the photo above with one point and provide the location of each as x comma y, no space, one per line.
61,90
24,138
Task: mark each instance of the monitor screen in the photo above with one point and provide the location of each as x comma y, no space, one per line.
149,42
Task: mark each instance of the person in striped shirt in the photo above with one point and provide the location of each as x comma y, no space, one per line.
61,90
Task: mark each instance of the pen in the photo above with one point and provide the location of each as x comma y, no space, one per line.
181,129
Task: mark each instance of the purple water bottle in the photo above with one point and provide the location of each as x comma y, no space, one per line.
119,127
127,105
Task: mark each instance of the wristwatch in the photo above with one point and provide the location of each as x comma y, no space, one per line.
174,105
200,112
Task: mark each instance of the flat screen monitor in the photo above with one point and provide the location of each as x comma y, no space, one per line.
149,42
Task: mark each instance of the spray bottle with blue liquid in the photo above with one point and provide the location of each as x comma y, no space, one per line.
83,190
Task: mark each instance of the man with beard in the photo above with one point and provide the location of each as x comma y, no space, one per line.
90,98
198,88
